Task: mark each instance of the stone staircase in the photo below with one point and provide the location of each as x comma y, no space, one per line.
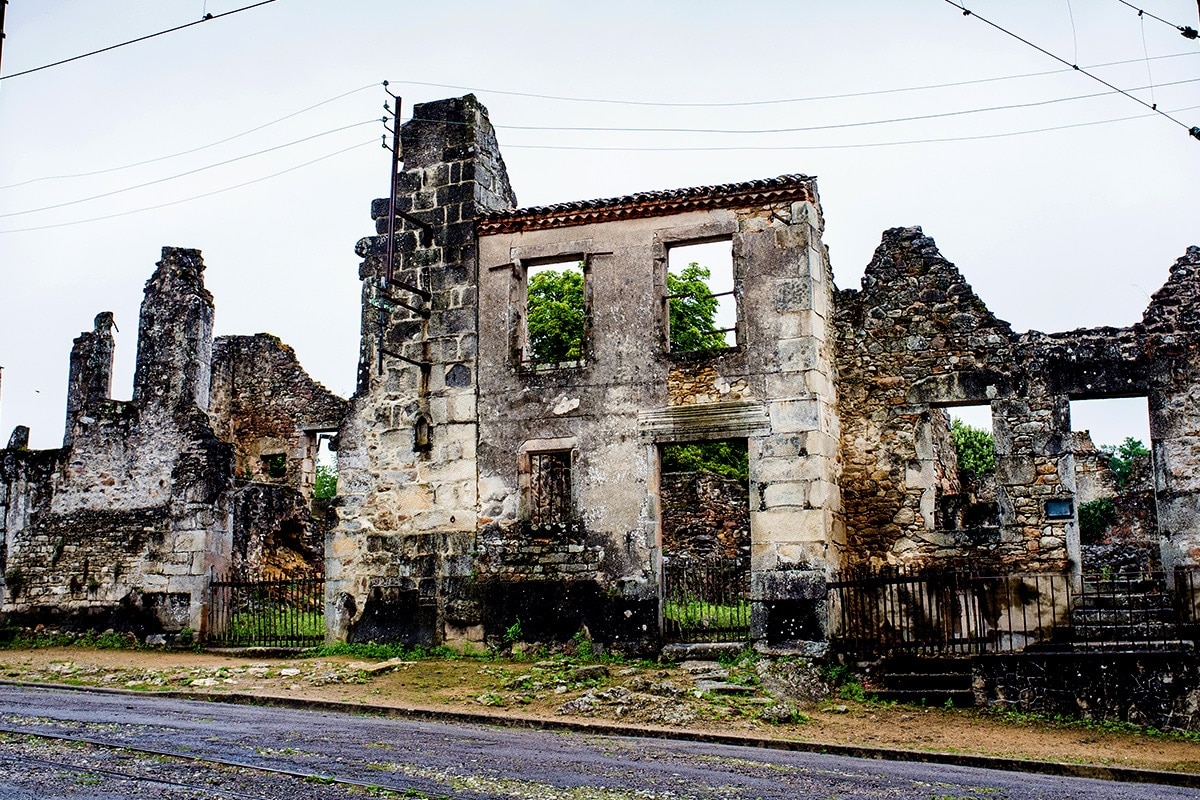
1125,613
925,681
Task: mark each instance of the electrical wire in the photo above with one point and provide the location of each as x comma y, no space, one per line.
188,172
1187,31
767,148
203,19
194,149
193,197
1193,130
808,128
778,101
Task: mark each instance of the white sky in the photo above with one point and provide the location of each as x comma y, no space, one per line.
1055,230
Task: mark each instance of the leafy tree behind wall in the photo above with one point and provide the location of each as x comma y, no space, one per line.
727,459
975,447
555,315
1121,457
693,311
325,482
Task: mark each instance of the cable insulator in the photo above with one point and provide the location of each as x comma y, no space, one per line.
1195,132
1189,32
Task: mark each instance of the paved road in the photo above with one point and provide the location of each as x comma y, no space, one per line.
432,759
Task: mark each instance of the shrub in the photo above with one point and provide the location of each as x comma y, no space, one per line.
1095,517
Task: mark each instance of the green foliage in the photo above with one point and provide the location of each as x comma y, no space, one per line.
325,482
728,459
555,315
1120,458
14,581
693,311
1095,517
975,447
513,633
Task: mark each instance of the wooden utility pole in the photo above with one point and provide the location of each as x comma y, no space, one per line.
3,3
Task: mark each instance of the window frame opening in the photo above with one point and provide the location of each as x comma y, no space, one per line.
975,506
679,283
575,348
549,486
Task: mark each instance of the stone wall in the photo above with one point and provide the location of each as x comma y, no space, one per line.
409,508
704,516
1159,690
123,525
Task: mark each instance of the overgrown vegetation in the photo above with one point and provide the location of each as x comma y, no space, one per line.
1095,516
693,311
325,482
32,640
729,459
1121,458
555,315
976,449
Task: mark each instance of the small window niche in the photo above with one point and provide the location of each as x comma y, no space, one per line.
555,319
964,468
702,308
274,465
549,497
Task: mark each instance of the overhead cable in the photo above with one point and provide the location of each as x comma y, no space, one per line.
205,18
189,172
194,149
1193,130
194,197
807,128
779,101
756,148
1187,31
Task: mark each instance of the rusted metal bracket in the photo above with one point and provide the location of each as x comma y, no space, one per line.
392,354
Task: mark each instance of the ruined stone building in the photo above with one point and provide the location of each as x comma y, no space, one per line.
485,490
208,468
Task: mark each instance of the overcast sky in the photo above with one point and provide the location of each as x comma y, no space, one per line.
1057,229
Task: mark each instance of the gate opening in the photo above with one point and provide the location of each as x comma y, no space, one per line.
705,506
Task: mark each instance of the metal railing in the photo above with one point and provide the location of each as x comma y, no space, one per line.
706,601
960,612
284,612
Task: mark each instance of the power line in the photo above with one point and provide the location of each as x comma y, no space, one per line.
194,149
203,19
1187,31
809,128
188,172
764,148
778,101
1194,131
193,197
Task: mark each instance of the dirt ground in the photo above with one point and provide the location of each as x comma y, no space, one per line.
689,696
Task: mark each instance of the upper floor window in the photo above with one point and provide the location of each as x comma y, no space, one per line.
555,320
701,297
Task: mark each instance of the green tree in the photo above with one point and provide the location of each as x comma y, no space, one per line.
975,447
325,482
728,459
1121,457
693,311
555,315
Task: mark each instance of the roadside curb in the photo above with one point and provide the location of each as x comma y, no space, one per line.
509,720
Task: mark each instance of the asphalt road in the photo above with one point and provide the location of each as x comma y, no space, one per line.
201,749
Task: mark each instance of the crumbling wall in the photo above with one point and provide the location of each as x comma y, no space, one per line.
266,405
121,526
1093,477
408,511
705,516
915,337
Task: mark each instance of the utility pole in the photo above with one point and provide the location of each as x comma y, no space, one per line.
3,3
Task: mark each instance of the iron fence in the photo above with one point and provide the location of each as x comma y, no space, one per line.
283,612
961,612
706,601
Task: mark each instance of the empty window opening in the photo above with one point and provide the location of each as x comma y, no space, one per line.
275,465
550,487
325,476
555,313
1114,485
964,468
701,297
